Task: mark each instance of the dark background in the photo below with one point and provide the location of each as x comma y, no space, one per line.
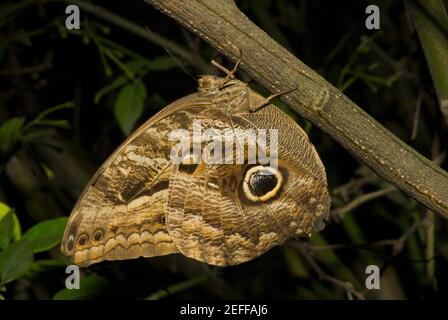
44,166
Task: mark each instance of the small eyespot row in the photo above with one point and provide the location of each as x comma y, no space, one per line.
82,239
98,235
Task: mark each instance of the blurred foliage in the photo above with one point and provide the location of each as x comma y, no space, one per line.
69,98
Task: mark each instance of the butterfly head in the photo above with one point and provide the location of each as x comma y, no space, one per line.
211,85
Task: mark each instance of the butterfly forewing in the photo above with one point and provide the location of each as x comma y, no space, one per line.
121,213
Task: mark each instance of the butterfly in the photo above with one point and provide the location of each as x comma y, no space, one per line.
149,199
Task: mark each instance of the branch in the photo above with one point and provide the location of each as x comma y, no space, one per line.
347,285
398,244
338,213
220,23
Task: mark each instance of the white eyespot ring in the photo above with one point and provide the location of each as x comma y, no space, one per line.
248,190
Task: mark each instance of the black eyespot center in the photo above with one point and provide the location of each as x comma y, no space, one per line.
82,239
187,167
262,182
98,235
162,219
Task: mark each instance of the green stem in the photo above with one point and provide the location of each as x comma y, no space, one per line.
178,287
429,16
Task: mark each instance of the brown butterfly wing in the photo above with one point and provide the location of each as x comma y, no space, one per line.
140,204
209,215
121,213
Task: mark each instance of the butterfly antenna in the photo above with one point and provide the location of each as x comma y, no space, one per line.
229,73
181,64
178,61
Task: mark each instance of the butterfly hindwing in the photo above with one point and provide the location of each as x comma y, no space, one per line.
212,218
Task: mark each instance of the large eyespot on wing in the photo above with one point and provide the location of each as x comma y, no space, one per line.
121,213
303,166
262,183
231,213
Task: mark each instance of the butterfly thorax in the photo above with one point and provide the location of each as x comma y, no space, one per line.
227,93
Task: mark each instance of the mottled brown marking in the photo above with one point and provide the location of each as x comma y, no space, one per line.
131,191
233,183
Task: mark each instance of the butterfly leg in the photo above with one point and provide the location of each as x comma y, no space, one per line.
229,73
266,101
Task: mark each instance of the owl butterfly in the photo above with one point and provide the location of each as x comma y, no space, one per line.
141,203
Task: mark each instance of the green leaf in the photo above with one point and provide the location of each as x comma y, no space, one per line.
6,229
45,235
89,287
17,232
15,261
44,264
134,66
10,133
129,105
118,82
41,266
